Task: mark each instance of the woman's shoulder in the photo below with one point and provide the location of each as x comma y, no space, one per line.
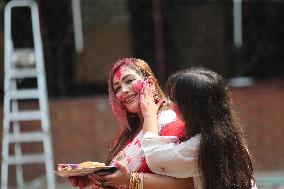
169,124
175,128
165,117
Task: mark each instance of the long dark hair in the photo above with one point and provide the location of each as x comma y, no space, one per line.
205,103
129,122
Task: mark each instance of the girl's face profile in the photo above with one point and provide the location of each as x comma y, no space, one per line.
124,84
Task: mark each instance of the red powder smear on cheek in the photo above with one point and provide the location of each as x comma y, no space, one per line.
138,86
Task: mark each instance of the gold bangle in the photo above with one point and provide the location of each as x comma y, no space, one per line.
135,181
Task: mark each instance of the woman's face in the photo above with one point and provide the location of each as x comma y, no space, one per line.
125,83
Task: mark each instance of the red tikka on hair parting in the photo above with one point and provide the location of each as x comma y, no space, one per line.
119,71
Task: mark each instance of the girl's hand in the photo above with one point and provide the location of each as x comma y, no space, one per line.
120,177
148,105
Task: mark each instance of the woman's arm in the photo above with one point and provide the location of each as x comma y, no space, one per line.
150,181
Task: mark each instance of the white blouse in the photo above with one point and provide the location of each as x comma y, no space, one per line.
165,156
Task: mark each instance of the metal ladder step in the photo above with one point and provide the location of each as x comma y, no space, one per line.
25,94
25,159
23,57
25,116
25,137
22,73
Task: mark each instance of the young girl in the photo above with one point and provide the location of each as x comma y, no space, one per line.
127,79
215,154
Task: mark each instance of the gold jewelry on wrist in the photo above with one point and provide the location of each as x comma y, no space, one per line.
135,181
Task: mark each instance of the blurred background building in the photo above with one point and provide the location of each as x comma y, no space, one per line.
169,35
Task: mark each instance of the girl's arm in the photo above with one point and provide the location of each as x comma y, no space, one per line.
165,157
162,154
149,109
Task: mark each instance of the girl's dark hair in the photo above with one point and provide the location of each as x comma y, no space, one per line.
204,100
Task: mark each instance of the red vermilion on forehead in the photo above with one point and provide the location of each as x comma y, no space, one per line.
124,63
117,73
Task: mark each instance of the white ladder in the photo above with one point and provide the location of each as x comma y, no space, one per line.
20,64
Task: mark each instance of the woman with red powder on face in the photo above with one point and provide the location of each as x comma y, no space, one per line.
128,79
